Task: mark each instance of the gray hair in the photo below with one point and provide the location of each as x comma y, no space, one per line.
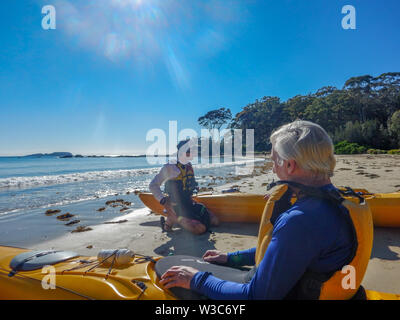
308,144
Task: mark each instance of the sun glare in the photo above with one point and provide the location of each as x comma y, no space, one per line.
149,32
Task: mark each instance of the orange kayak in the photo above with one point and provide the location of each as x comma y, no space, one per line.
244,207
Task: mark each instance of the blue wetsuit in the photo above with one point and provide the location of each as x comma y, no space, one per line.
312,235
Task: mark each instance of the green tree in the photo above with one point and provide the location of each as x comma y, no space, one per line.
360,88
387,95
295,107
263,116
363,112
215,119
394,128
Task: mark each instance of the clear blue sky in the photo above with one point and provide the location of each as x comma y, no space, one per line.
112,70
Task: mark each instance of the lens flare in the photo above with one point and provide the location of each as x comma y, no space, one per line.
150,31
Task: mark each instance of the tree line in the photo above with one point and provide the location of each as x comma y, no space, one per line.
365,111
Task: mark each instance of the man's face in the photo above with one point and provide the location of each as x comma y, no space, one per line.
278,168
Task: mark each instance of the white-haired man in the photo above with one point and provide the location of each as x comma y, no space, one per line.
309,239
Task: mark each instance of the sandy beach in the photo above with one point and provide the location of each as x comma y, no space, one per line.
140,230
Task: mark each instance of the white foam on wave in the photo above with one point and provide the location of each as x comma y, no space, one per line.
46,180
98,195
217,163
37,181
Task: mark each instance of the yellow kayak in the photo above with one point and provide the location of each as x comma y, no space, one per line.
229,207
73,283
61,275
243,207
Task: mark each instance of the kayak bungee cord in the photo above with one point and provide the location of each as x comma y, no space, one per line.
116,254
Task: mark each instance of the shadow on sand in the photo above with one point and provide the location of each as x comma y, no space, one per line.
385,240
183,242
239,228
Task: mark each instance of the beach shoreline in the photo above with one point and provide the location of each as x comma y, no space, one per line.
142,233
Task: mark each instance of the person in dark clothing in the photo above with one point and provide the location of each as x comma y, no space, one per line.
180,184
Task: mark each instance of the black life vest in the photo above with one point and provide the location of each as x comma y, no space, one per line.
181,188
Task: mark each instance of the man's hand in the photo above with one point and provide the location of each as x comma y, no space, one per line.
171,214
178,276
215,256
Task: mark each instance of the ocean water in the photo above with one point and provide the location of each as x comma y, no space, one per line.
80,186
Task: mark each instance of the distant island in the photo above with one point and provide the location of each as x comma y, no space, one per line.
63,155
54,154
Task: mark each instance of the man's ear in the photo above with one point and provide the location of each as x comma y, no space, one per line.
291,166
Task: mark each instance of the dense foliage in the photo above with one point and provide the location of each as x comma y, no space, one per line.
345,147
366,112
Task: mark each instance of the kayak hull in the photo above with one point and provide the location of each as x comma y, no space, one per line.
385,208
243,207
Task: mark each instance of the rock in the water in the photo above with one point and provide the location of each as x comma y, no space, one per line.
72,222
119,221
118,202
205,189
50,212
65,216
81,229
231,190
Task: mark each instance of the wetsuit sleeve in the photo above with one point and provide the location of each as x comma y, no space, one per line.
289,253
242,258
167,172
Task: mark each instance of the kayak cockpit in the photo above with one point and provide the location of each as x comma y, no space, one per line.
34,260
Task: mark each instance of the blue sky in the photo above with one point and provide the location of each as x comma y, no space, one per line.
113,70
